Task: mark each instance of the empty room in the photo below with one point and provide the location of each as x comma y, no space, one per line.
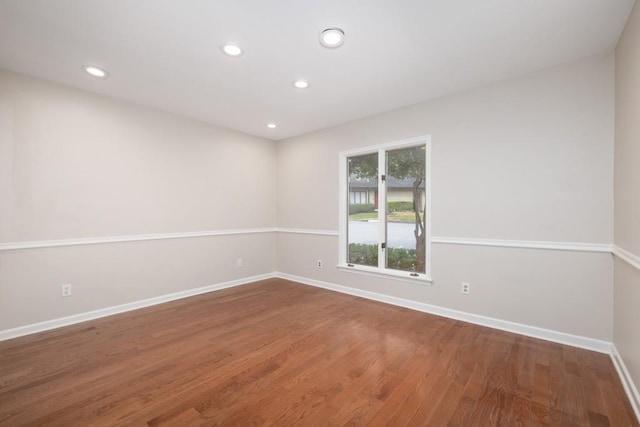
411,212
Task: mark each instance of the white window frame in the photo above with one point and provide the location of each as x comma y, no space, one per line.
381,149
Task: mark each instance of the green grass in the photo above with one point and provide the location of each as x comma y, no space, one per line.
405,216
397,258
364,215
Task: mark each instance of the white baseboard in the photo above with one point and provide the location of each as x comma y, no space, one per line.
627,381
532,331
103,312
518,328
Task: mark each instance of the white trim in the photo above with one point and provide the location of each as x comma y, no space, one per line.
343,199
627,381
108,311
403,276
632,259
523,244
518,328
428,212
627,256
527,244
343,205
532,331
382,213
308,231
128,238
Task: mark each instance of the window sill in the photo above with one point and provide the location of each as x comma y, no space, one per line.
401,276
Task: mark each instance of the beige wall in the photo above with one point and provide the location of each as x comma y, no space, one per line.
78,165
81,165
627,195
561,291
529,158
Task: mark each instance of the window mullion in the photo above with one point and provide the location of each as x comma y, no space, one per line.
382,208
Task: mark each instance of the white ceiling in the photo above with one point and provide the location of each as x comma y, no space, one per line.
166,54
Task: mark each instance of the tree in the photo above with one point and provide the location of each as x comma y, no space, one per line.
406,163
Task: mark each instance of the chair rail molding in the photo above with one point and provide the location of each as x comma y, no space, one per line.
129,238
471,241
524,244
527,244
628,257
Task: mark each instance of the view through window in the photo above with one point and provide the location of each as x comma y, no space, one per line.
386,224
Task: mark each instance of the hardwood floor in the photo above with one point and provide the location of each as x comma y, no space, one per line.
276,352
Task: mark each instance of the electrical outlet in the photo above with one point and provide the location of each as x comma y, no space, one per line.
66,290
239,262
465,288
319,263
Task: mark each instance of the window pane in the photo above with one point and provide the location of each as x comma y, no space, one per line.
406,237
362,230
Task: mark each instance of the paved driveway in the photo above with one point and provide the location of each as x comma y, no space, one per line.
399,234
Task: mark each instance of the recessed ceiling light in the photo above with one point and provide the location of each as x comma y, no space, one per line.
301,84
95,71
272,125
332,37
232,50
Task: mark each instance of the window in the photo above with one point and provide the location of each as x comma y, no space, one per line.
385,215
358,198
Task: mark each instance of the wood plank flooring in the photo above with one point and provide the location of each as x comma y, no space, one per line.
280,353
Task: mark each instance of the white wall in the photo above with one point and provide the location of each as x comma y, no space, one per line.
529,158
78,165
627,197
